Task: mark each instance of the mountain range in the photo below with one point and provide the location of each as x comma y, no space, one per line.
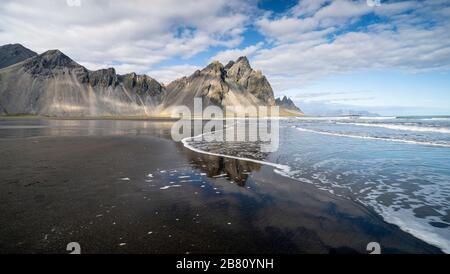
52,84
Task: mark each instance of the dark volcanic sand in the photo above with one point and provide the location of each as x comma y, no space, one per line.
64,181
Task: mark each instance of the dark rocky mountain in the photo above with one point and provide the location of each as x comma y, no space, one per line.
14,53
287,105
52,84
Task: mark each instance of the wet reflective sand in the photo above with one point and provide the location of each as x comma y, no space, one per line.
126,187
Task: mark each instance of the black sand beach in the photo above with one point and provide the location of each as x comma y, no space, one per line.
126,187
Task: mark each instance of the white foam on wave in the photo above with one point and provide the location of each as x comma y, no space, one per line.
411,142
319,118
420,229
377,118
167,187
338,118
437,119
403,218
403,127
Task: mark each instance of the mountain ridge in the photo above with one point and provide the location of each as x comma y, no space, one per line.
53,84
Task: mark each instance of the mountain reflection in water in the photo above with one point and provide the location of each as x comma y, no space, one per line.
214,166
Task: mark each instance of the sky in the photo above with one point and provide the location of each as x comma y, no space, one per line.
390,57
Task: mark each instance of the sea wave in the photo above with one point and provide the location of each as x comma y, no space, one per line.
437,119
412,142
324,118
377,118
337,118
402,127
421,229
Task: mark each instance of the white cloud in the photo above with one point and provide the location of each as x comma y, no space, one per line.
413,37
168,74
311,16
137,34
232,54
308,7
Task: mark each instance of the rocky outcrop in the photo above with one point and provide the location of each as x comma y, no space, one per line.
287,105
235,84
254,82
14,53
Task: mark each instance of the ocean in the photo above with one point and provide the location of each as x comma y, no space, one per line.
397,166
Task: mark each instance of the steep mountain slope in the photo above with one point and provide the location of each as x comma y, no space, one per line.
53,84
235,84
14,53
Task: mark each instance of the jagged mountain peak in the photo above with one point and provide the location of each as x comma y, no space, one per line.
229,65
143,84
241,64
243,61
235,84
50,62
239,69
287,104
136,76
214,65
215,69
284,100
57,58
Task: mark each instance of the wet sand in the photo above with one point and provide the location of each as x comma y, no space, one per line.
137,191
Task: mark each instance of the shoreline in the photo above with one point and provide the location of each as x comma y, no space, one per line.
283,170
147,194
128,118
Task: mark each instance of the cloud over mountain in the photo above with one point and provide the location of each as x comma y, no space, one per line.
295,46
